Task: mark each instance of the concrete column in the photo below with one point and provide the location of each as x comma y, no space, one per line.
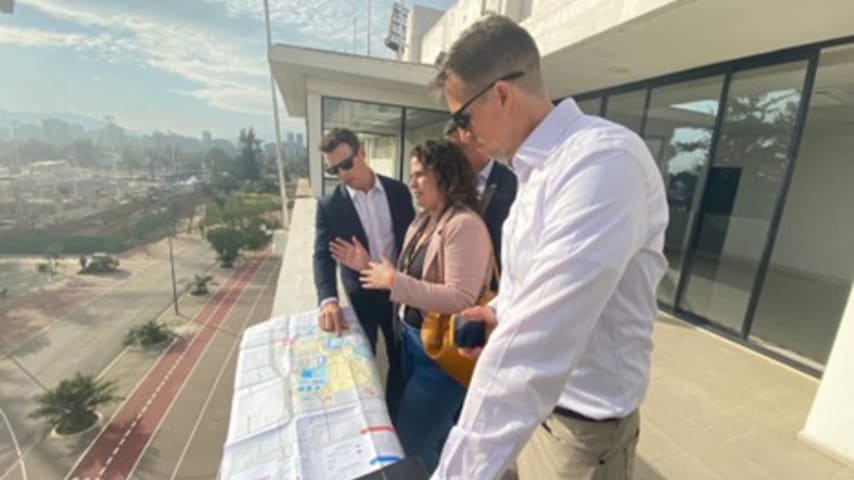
830,425
313,116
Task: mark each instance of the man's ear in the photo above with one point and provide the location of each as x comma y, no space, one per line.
503,91
465,136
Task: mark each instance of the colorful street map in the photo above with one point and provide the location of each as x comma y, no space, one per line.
307,404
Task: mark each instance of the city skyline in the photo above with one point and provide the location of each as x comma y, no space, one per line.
69,128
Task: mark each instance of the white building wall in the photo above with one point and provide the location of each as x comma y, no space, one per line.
315,161
558,23
448,28
421,19
548,21
830,425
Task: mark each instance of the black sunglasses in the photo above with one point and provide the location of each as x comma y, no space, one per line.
461,118
345,164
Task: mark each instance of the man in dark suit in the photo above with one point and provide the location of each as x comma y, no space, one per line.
496,184
372,212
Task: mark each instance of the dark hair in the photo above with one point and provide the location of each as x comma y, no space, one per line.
488,49
338,136
454,175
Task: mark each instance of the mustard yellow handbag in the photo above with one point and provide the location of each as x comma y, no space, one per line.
437,335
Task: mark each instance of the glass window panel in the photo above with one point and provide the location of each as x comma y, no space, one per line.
742,189
421,125
627,109
591,106
378,128
810,273
679,126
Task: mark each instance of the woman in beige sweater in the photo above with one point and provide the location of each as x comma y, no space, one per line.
445,260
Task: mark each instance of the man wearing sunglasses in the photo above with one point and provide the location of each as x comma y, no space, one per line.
372,212
566,362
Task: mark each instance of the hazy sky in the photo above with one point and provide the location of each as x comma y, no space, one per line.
180,65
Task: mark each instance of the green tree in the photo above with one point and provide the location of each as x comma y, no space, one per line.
71,406
251,156
217,160
238,222
226,241
223,172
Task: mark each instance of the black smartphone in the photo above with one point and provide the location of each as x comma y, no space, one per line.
468,332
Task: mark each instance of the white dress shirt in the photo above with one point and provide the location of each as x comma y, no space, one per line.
582,258
375,217
483,176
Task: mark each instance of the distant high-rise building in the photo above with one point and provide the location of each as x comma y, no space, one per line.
56,132
111,136
207,137
300,139
28,131
76,132
291,137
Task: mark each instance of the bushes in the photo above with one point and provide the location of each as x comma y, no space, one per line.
239,222
227,242
148,334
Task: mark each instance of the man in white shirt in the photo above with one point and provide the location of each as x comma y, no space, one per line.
566,365
371,212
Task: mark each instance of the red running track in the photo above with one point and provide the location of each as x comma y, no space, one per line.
116,451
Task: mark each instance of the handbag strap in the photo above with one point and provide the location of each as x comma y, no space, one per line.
485,201
486,198
494,274
411,250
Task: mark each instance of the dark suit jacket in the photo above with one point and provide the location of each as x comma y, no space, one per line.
336,217
505,184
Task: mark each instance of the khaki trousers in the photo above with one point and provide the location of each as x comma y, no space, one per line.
574,449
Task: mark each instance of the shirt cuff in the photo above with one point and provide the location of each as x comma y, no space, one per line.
327,300
471,456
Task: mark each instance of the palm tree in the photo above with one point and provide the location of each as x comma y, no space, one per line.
148,334
200,284
71,406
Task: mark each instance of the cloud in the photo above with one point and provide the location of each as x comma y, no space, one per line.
235,97
318,23
225,66
228,77
105,45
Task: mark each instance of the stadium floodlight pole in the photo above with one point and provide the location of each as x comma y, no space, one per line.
283,194
368,30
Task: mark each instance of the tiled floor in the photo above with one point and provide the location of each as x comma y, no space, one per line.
716,410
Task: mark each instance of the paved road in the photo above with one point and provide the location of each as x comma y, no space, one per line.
190,440
116,451
85,339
